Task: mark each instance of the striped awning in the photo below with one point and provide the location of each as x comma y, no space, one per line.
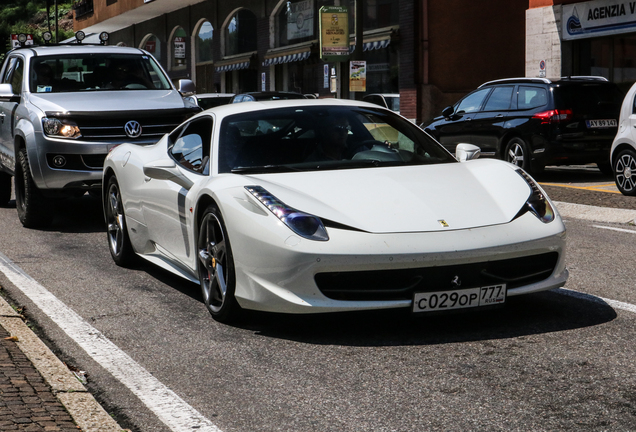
369,46
287,58
233,66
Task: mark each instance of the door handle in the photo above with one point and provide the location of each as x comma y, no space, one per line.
499,116
468,119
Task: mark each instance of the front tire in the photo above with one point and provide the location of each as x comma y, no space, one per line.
625,172
5,189
216,267
33,208
118,239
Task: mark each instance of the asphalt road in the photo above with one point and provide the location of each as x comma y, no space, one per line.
546,361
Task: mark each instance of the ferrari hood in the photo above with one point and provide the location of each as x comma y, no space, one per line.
112,100
406,199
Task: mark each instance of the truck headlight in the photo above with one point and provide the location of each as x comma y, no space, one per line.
55,128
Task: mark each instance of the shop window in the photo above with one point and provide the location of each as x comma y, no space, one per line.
152,44
240,34
296,22
203,42
179,51
375,13
611,57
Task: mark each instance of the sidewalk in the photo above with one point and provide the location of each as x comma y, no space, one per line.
37,391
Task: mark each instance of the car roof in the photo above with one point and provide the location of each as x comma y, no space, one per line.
213,95
535,80
230,109
57,49
383,94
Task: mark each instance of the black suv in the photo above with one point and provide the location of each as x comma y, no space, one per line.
534,122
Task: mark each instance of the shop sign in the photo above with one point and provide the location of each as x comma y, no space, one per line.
325,71
151,45
357,76
300,19
378,67
598,18
334,33
180,47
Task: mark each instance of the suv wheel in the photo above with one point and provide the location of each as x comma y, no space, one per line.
517,153
5,189
625,172
32,206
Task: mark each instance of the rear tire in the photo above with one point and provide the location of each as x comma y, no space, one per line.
33,208
517,153
116,228
5,189
625,172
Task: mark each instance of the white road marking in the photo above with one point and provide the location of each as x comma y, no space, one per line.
615,229
163,402
613,303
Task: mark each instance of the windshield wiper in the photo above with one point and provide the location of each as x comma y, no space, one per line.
264,169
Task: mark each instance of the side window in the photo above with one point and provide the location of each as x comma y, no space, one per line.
473,101
191,145
7,72
500,99
531,97
16,77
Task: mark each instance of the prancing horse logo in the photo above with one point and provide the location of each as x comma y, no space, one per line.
456,282
132,129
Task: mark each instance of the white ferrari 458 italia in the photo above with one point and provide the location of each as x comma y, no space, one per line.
306,206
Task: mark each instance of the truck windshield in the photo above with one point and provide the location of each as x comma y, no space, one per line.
96,72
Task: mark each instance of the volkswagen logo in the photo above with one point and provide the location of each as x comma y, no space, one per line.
133,129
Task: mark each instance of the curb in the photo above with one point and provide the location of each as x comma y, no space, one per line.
87,413
594,213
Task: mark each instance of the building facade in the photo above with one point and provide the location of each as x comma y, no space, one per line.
596,37
430,52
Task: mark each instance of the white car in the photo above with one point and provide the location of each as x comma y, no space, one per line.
623,152
305,206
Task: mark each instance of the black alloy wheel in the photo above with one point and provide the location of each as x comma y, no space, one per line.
215,266
625,172
117,232
34,210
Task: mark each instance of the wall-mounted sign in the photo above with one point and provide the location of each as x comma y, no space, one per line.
598,18
180,47
357,76
300,19
334,33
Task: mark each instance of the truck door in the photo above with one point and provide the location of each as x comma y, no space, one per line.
12,74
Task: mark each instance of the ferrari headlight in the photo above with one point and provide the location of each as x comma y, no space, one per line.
303,224
55,128
537,203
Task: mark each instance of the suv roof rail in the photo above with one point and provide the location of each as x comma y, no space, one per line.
514,80
585,77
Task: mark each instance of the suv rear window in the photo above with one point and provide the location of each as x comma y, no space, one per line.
592,98
93,72
531,97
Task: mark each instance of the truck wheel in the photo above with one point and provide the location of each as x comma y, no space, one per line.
33,208
5,189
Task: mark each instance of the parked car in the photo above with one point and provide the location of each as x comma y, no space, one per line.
623,152
386,100
63,107
534,122
210,100
264,96
317,215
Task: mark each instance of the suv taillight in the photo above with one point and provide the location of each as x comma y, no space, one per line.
553,116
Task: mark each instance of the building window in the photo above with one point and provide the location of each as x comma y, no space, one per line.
240,34
611,57
179,51
82,8
152,44
204,42
296,22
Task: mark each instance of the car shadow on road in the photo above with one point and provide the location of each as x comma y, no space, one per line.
536,313
77,215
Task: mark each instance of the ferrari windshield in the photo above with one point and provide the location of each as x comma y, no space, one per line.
323,137
94,72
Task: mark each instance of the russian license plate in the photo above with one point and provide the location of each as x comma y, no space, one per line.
601,123
459,299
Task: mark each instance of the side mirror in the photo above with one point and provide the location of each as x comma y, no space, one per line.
186,86
448,111
167,170
7,95
466,152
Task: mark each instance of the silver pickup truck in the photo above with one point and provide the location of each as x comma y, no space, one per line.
63,107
